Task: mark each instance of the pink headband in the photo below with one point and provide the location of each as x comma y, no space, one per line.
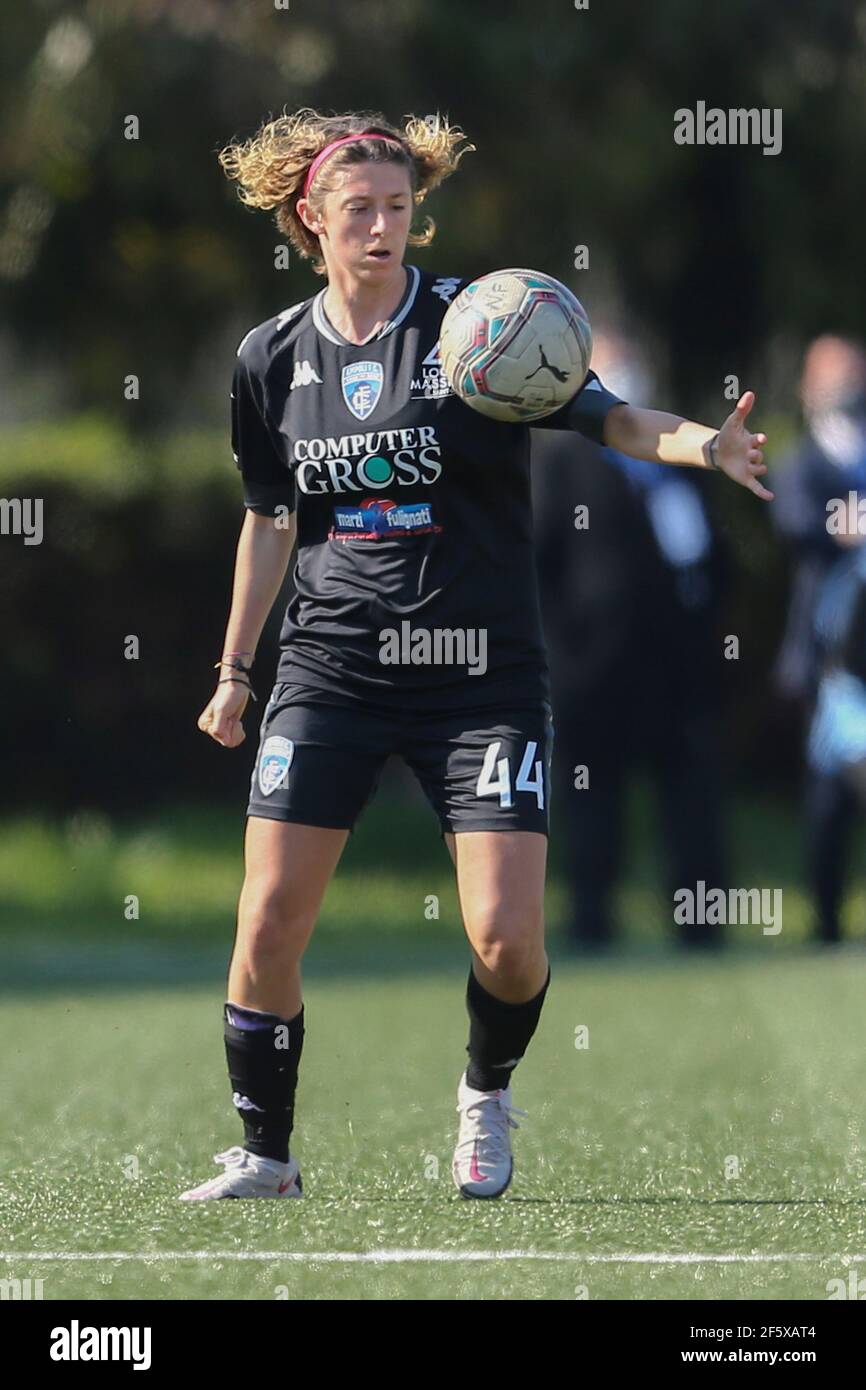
335,145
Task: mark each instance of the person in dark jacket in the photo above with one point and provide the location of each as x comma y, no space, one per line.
816,512
632,573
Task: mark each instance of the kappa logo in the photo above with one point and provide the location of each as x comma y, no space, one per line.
244,1103
445,287
292,312
304,375
274,763
362,386
282,319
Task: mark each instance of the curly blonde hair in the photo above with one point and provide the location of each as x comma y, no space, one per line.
270,169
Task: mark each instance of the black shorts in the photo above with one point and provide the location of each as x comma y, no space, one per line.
320,760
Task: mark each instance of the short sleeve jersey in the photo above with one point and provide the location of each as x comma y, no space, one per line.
414,524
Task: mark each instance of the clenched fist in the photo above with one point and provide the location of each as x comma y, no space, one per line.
221,717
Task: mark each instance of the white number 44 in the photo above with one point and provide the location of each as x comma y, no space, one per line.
488,785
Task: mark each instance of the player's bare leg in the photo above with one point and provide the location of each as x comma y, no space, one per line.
500,885
288,868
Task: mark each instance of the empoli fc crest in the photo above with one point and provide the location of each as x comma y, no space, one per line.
362,387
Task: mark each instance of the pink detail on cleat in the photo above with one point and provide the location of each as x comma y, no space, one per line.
475,1172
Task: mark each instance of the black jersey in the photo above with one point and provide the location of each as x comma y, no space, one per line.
415,571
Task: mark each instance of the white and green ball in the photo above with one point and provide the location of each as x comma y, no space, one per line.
515,345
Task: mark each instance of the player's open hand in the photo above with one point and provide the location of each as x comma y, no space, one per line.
221,717
739,452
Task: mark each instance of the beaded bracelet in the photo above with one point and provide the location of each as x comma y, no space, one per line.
233,680
234,666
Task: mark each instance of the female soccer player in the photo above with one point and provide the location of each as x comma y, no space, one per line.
415,625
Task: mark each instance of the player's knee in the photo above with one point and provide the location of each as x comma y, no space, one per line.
508,956
271,931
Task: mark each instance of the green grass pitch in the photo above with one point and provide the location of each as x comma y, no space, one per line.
708,1143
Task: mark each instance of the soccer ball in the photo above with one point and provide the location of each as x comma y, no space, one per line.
515,345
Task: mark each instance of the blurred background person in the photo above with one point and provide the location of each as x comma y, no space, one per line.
631,591
818,665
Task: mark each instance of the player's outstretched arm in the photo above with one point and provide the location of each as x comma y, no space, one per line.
263,555
663,438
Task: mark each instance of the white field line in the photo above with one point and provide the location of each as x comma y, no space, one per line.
653,1257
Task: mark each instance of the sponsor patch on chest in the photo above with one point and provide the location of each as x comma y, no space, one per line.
432,384
374,518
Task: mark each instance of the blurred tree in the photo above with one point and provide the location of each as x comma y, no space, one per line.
131,255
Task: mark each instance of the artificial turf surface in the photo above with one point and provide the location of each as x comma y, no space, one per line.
697,1069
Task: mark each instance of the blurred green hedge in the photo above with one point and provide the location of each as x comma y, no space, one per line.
138,540
100,460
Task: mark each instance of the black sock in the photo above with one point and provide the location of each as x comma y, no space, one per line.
499,1034
263,1052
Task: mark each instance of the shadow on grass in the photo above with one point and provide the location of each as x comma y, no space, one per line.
34,965
63,887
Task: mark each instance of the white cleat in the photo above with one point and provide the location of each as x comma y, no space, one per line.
248,1175
483,1165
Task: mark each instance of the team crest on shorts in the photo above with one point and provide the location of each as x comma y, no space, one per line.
362,387
274,763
